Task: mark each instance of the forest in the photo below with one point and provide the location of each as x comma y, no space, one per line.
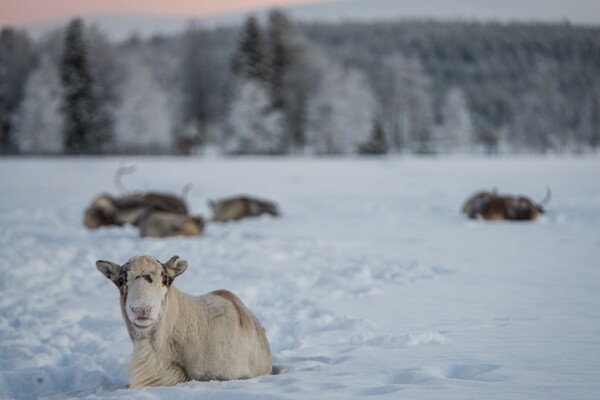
273,86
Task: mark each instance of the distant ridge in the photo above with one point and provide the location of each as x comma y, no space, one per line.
579,12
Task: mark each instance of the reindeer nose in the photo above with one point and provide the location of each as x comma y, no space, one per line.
142,312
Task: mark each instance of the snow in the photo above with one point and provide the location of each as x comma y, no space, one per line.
370,285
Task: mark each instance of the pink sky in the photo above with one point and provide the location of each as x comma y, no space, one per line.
22,12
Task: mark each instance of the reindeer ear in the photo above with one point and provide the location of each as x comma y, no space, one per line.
175,267
109,269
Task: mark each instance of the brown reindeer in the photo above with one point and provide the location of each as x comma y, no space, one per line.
164,224
236,208
474,203
130,207
108,210
494,207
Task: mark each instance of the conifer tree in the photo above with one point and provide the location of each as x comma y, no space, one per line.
279,36
594,120
204,80
377,143
250,58
86,127
16,60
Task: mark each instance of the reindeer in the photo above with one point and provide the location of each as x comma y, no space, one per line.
130,207
236,208
494,207
164,224
474,203
108,210
177,337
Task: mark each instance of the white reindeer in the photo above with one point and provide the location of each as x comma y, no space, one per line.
177,337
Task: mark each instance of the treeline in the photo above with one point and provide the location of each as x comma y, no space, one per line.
275,87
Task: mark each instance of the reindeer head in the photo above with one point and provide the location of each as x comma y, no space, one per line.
526,209
474,205
101,212
143,283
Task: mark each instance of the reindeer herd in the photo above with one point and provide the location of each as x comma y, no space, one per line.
158,214
177,337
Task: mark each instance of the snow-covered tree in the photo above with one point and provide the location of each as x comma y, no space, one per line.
203,84
456,131
527,87
340,114
591,120
387,88
255,127
86,127
539,113
144,118
276,61
108,72
39,123
301,83
405,104
408,108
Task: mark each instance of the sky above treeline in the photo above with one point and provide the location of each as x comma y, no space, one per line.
23,13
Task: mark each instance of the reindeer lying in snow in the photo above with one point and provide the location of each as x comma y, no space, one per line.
492,206
235,208
130,207
164,224
177,337
108,210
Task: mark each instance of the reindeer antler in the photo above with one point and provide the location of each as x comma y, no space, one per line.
546,199
186,190
117,179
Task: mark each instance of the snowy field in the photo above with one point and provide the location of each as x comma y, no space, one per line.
370,285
